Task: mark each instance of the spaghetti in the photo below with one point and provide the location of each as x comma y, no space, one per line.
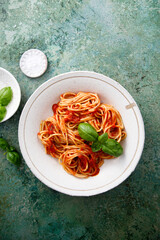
60,137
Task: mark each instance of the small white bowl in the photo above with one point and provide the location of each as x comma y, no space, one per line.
33,63
8,80
46,168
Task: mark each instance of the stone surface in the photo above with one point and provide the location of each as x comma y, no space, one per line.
119,38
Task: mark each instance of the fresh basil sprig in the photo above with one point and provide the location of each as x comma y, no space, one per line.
11,154
109,146
5,98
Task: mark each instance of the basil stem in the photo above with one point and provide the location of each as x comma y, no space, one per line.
96,146
103,138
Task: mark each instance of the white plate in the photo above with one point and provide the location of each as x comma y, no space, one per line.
8,80
47,169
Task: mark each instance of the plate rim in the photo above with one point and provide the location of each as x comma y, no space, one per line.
18,90
57,187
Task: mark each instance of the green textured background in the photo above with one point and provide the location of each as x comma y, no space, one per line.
120,39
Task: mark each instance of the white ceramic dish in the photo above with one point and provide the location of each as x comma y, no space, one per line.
8,80
33,63
47,169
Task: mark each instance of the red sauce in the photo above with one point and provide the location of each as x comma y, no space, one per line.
92,162
78,137
54,108
87,147
50,132
50,128
76,119
96,171
83,161
68,112
52,149
114,131
72,117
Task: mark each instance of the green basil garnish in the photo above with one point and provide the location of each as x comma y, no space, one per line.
4,144
13,157
12,149
5,96
2,112
112,147
87,132
96,146
103,138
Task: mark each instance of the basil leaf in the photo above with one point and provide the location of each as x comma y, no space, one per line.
2,112
13,157
96,146
12,149
5,96
103,138
112,147
87,132
4,144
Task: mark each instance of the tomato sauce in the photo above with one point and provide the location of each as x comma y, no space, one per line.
83,161
54,108
52,148
50,128
72,117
